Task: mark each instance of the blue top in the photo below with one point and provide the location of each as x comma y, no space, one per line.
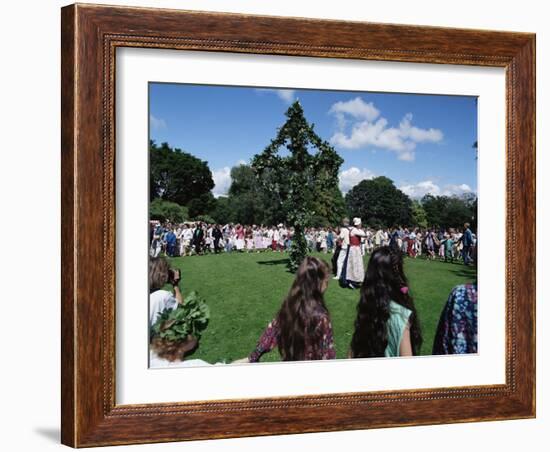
467,238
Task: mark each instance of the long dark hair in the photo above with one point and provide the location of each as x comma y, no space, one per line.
384,281
302,309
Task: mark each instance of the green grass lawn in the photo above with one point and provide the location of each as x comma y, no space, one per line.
245,291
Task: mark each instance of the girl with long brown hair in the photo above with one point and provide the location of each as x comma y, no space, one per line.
302,329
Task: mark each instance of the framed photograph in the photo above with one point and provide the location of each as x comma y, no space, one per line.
281,225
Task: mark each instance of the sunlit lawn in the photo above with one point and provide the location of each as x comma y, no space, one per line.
245,291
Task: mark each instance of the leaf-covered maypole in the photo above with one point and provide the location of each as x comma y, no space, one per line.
297,179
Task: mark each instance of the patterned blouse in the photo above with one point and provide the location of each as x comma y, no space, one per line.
269,339
457,329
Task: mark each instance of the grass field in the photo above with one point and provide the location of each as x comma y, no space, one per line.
245,291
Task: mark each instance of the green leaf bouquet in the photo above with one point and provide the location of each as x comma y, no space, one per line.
177,331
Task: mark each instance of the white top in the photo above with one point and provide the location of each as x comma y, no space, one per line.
358,232
159,300
344,236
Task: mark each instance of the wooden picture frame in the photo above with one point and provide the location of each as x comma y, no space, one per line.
90,36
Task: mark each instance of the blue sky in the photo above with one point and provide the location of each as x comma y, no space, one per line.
422,142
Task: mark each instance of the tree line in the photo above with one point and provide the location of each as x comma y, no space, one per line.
181,184
299,188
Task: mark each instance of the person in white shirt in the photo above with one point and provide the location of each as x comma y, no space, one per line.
186,236
378,238
282,237
276,237
344,239
159,299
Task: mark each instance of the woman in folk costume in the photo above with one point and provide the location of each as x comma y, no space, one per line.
353,270
258,239
239,233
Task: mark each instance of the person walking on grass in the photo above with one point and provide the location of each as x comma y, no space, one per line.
430,244
467,242
343,239
217,236
353,270
198,238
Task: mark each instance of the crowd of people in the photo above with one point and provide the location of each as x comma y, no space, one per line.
199,238
386,324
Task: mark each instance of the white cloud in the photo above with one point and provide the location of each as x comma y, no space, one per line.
357,108
286,95
456,190
222,181
352,176
422,188
360,125
157,123
418,135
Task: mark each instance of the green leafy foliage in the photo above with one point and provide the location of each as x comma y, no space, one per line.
205,219
297,181
167,211
189,318
202,205
176,175
419,217
450,211
379,203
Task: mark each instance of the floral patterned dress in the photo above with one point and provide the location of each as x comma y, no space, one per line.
270,337
457,329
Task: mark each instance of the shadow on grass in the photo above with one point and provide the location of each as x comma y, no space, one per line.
466,272
275,262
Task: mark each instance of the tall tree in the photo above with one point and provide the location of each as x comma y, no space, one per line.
379,203
177,176
298,178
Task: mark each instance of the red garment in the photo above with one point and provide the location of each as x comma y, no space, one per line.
325,350
240,233
354,240
410,248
